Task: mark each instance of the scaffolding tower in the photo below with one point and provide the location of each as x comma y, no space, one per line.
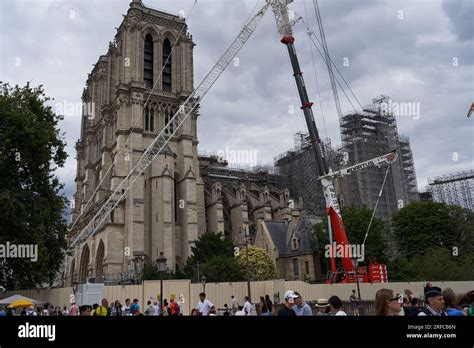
298,169
455,188
365,134
369,133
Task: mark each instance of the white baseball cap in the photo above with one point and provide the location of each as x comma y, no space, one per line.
290,294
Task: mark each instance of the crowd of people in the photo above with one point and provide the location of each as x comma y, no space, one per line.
387,303
437,303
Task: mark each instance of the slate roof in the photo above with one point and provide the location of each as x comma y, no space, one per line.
278,232
281,235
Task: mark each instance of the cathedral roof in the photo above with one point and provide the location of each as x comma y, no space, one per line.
278,231
282,232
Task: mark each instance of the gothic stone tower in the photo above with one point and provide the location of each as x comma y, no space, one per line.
131,93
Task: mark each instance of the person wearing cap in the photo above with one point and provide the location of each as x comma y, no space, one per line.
301,308
323,307
287,309
435,300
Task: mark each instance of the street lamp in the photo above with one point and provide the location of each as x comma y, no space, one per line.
203,282
355,264
161,267
247,269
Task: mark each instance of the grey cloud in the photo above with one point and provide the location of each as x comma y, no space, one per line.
460,14
409,59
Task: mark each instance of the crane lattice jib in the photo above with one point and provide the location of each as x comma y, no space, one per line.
280,10
169,130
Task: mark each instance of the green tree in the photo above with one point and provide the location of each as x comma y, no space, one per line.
150,272
261,266
31,149
421,226
356,221
222,268
435,242
436,264
215,255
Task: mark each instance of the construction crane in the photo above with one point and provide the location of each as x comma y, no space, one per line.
377,272
350,273
375,162
280,10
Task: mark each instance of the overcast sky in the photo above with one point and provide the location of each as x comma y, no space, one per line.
413,51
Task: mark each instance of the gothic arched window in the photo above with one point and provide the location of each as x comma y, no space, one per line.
148,62
167,60
168,116
149,119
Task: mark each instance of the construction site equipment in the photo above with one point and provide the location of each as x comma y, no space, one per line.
455,188
284,25
348,272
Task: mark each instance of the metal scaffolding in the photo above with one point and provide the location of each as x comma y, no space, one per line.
369,133
298,169
365,134
455,188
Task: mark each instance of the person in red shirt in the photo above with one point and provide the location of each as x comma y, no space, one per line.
174,307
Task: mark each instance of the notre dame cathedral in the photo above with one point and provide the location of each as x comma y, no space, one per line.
133,91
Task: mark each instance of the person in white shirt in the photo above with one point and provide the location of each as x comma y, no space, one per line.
247,305
335,305
203,305
45,311
150,309
181,304
156,309
126,308
31,311
240,312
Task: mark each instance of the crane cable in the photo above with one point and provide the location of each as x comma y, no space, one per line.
310,34
315,74
87,206
376,205
328,58
337,80
343,79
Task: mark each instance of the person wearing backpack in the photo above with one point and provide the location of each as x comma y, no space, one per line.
166,311
104,310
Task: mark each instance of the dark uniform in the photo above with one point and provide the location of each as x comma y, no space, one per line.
428,311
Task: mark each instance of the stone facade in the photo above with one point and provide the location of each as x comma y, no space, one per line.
163,211
130,95
240,201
